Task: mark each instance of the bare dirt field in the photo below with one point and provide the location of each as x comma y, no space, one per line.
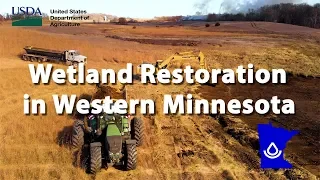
177,147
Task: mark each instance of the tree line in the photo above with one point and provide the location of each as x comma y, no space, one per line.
8,16
289,13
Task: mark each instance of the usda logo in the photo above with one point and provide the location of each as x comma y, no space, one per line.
26,16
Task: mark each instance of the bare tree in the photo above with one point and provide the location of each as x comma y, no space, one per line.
212,17
316,16
8,17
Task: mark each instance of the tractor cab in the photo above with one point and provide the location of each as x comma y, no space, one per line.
115,124
121,122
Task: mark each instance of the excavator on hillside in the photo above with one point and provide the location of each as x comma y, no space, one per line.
180,56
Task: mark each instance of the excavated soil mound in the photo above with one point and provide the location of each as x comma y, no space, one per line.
113,92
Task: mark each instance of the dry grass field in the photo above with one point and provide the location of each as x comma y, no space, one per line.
177,147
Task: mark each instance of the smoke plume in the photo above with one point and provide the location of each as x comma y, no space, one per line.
230,6
202,7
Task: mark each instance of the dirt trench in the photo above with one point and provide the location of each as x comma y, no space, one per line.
171,42
304,91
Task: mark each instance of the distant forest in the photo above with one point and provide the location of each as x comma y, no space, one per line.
296,14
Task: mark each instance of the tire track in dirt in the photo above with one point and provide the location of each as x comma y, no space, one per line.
193,147
242,129
199,145
254,25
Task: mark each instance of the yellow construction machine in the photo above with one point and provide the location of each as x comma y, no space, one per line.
180,56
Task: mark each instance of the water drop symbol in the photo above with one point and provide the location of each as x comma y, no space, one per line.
274,155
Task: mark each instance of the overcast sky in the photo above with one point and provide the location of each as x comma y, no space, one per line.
126,8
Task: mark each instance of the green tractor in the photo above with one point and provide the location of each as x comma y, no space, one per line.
111,139
106,140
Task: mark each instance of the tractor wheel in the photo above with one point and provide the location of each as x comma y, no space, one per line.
137,130
33,59
130,157
78,135
75,64
68,63
24,57
95,157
